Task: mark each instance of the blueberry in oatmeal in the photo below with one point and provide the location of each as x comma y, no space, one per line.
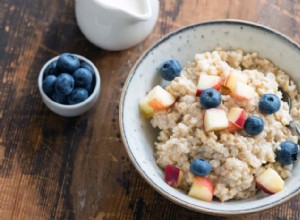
200,167
287,153
170,69
269,103
210,98
254,125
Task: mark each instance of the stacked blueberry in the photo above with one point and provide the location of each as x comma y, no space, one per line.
68,80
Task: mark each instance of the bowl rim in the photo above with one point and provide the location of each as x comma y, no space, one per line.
148,179
91,97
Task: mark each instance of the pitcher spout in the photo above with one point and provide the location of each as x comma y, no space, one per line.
138,10
145,10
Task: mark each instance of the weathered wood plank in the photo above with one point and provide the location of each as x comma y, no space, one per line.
76,168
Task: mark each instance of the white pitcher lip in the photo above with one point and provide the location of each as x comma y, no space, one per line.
142,17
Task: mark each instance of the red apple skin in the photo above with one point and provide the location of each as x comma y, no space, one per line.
241,120
173,175
264,189
199,92
216,87
232,127
238,121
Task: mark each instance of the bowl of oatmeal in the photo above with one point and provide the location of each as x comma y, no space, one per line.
208,138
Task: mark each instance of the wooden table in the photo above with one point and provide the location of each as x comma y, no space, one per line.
77,168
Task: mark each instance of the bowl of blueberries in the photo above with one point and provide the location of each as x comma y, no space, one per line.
69,84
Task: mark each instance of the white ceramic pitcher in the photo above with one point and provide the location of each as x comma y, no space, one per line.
116,24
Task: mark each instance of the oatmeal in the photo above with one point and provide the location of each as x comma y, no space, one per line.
236,158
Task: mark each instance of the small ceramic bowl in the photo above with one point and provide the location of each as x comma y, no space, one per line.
137,133
70,110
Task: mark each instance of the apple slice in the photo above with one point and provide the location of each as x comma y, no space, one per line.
157,99
232,127
202,188
215,120
269,181
173,175
208,81
236,83
233,78
146,109
243,91
237,116
224,90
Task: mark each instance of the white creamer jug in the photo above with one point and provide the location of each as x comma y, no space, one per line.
116,24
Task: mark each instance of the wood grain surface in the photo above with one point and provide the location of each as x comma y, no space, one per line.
77,168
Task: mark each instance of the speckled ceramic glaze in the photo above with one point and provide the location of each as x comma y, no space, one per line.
139,136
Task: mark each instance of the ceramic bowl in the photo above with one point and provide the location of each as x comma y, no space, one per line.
70,110
137,133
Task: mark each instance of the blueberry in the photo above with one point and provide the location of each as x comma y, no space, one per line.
77,95
48,84
67,63
254,125
200,167
64,84
170,69
86,65
269,104
287,153
62,99
83,77
51,69
210,98
90,88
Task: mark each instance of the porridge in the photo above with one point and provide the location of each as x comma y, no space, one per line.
217,139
